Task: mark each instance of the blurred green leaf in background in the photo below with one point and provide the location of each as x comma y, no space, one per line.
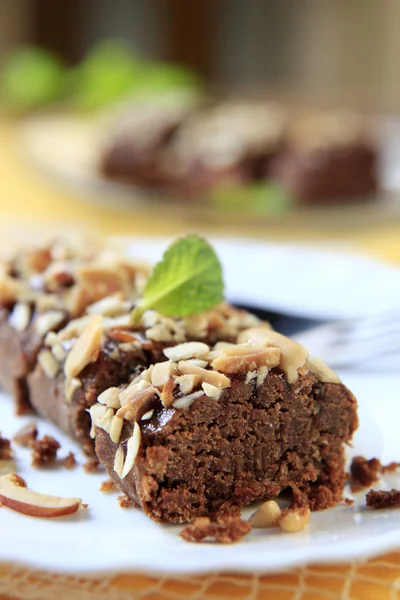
258,198
31,78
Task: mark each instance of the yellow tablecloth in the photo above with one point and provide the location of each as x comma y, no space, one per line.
27,198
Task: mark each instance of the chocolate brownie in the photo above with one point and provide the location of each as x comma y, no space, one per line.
138,136
41,289
231,142
100,351
214,429
327,157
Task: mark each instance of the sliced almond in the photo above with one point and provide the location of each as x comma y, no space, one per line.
48,321
24,501
261,375
48,363
212,377
139,403
250,360
197,362
293,355
110,397
52,339
185,402
86,349
132,450
250,375
211,390
119,461
111,306
162,372
137,385
187,383
20,316
101,416
186,350
58,353
116,429
321,370
167,393
147,415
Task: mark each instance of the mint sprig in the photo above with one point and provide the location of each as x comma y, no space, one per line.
188,280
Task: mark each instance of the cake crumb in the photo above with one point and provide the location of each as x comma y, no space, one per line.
6,452
349,501
363,472
391,467
107,486
224,531
91,465
69,462
26,435
44,451
378,499
124,501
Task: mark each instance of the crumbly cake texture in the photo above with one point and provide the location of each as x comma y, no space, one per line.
216,428
104,349
41,289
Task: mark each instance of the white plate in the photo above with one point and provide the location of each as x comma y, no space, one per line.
108,539
299,280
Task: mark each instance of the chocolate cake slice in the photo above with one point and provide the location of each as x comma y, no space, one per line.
216,428
328,157
103,349
138,136
42,288
229,143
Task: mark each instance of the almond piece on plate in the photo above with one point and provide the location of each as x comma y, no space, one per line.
33,504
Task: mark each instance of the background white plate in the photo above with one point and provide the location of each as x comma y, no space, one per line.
109,539
296,279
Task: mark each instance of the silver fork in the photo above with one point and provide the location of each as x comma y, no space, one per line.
350,343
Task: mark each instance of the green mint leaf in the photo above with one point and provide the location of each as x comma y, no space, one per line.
187,280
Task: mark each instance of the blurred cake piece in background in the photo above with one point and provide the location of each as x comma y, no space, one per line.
138,133
231,142
328,157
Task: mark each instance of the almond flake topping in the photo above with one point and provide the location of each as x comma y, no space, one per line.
212,377
48,321
110,397
20,316
86,349
211,391
240,359
185,402
292,355
187,350
139,403
116,429
48,363
162,372
132,450
119,461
